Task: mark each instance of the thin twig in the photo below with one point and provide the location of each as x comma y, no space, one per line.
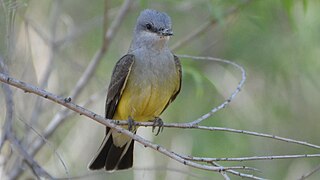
225,175
28,88
7,127
313,171
231,97
51,146
244,175
188,126
259,135
194,125
144,169
107,122
35,167
252,158
87,102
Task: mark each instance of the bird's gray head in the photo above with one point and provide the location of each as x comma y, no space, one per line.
153,29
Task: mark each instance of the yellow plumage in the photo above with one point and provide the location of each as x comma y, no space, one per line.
146,93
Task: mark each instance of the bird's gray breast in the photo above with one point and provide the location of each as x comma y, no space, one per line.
153,68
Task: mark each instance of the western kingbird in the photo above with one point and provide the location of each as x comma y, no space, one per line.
143,83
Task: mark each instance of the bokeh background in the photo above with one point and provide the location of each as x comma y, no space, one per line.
276,41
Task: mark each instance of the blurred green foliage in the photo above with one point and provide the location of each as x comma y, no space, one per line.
277,42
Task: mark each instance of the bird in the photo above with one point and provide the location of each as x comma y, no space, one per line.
143,83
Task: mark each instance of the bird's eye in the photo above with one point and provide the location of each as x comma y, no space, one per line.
148,26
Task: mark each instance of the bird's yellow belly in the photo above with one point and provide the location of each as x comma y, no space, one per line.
143,103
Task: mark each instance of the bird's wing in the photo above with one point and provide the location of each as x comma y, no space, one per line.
179,71
117,84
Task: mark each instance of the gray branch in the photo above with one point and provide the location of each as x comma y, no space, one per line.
66,102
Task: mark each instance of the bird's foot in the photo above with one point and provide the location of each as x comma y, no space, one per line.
132,126
157,122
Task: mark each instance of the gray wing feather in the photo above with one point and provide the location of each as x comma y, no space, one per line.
179,69
178,66
117,84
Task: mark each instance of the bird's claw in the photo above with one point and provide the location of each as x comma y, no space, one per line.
131,124
157,122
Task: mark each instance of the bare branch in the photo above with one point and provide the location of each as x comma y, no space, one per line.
259,135
231,97
51,145
68,103
250,176
194,125
107,122
253,158
307,175
225,175
144,169
87,102
188,126
27,88
7,127
35,167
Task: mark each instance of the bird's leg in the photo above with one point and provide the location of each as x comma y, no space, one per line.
131,124
157,122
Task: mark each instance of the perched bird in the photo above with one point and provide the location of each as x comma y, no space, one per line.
143,83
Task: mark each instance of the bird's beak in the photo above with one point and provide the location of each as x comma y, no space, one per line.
166,32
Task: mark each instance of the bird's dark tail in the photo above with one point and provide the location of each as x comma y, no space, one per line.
111,157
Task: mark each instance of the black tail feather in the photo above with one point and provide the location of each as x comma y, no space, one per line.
119,158
100,160
111,157
127,160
